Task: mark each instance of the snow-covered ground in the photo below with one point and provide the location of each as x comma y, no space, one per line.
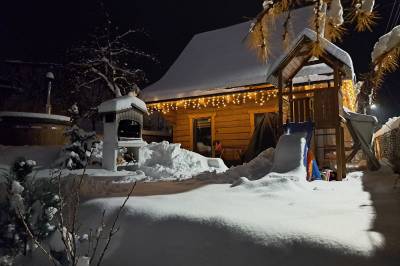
158,161
253,217
275,221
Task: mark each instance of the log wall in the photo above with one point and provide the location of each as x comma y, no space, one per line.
232,125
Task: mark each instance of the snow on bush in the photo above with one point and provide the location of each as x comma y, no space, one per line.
391,124
33,202
169,161
386,43
335,12
366,6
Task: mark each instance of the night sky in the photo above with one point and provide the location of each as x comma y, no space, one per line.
43,31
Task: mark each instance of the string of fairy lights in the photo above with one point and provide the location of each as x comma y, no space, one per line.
215,101
260,97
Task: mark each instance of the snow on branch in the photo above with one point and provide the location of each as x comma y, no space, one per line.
107,60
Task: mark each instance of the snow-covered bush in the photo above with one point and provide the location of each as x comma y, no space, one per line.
29,204
78,151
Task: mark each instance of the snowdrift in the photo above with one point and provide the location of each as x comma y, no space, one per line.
158,161
289,223
167,161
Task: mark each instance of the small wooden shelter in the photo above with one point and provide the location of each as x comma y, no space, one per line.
323,106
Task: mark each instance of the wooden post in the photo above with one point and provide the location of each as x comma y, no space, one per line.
340,160
291,112
280,101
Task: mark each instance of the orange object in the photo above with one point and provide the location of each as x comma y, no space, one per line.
310,158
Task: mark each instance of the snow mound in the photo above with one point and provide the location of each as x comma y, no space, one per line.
287,167
168,161
255,169
303,224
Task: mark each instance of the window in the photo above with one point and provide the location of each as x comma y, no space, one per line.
202,136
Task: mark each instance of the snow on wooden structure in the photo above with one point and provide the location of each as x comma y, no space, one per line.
323,106
123,123
218,86
25,128
387,140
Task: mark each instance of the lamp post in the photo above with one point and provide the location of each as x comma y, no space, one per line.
50,78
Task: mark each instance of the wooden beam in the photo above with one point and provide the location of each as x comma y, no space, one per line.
314,62
280,101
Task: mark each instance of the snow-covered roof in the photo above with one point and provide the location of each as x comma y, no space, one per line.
35,115
304,54
122,103
219,61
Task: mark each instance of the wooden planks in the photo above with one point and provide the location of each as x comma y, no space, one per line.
232,124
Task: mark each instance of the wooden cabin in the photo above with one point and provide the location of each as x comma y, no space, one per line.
217,89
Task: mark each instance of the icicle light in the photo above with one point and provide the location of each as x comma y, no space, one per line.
216,101
255,97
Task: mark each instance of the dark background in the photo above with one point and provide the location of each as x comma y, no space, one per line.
42,31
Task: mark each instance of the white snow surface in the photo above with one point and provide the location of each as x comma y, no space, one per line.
367,5
289,157
168,161
158,161
122,103
224,63
391,124
36,115
255,169
335,12
255,223
386,43
329,47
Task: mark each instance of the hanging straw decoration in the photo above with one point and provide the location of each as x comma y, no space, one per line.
363,14
285,35
259,32
334,29
317,49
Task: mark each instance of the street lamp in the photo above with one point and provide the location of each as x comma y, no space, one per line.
49,78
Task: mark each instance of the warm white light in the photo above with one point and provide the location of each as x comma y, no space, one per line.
374,106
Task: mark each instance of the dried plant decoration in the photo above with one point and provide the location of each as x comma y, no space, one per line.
333,32
316,48
259,30
385,59
334,29
285,35
363,14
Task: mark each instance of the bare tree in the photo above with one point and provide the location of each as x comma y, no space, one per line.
107,59
106,65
